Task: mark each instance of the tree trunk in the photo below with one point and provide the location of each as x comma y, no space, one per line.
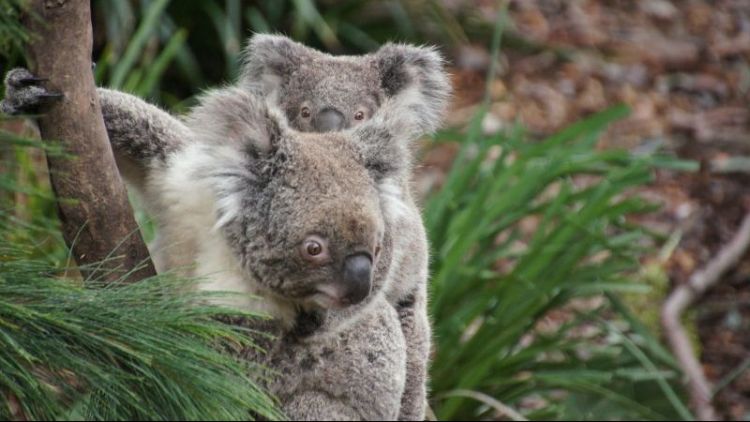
98,223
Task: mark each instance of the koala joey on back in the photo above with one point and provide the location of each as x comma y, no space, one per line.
315,92
319,92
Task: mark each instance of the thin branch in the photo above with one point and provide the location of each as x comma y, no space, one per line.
681,298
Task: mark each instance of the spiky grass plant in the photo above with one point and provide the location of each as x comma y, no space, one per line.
138,352
153,350
531,244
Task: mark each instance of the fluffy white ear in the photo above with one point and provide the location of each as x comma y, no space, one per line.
414,78
268,59
236,137
239,118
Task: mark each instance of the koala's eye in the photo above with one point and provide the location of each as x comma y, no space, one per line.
315,250
359,115
305,112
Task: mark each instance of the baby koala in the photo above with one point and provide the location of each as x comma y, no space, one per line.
315,92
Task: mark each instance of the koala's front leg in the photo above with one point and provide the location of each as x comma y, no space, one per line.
355,372
142,135
319,406
412,313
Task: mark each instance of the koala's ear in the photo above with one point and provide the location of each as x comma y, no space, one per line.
258,133
268,59
386,141
414,78
238,118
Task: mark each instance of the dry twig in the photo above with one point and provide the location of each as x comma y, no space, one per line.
683,296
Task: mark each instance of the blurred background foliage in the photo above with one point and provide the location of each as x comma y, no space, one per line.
533,241
169,51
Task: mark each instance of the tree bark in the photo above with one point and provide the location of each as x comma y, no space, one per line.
97,220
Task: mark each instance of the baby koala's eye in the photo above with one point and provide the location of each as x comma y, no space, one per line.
305,112
315,250
359,115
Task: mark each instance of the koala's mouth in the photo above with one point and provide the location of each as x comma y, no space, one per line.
316,298
325,301
327,296
331,294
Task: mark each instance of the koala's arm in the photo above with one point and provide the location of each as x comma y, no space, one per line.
141,134
407,293
355,374
319,406
412,312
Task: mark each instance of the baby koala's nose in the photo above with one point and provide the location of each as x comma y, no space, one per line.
329,120
357,278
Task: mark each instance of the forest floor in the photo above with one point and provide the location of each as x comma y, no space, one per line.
684,69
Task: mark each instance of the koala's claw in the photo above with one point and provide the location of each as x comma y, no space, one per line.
51,95
31,81
24,93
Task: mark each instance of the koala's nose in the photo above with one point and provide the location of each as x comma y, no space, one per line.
357,277
329,120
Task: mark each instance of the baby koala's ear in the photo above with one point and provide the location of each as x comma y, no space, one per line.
415,80
268,59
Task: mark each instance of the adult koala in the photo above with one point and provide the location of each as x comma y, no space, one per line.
303,223
317,92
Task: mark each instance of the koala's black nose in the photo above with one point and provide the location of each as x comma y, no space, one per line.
357,278
329,120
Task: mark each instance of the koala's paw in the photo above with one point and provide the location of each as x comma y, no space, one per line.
24,93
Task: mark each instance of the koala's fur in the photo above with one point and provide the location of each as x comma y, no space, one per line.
295,76
396,82
264,186
406,79
254,189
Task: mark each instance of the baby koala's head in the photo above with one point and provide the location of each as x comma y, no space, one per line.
319,92
305,213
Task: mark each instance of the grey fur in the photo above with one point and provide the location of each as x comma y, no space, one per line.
139,133
139,130
401,80
355,374
397,85
296,76
282,186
